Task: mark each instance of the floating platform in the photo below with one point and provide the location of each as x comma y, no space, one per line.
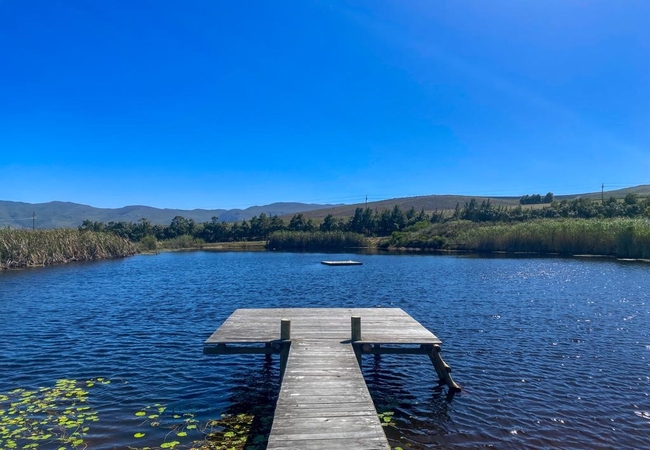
342,263
324,402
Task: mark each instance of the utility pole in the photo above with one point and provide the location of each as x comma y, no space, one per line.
34,221
366,201
602,193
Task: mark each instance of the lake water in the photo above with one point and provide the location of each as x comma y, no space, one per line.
549,352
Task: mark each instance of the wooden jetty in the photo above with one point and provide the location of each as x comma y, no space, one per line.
324,402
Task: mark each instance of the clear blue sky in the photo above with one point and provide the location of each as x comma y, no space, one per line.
225,104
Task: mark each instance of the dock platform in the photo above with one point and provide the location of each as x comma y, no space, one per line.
324,401
348,262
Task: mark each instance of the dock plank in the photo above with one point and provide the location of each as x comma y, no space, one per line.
324,402
379,325
316,411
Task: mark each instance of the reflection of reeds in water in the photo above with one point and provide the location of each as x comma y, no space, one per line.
29,248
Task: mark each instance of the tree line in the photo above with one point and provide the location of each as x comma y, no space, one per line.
580,208
369,222
364,221
536,199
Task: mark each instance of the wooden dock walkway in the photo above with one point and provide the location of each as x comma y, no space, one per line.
324,401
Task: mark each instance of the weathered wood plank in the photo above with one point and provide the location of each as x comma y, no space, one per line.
329,444
380,325
324,402
332,408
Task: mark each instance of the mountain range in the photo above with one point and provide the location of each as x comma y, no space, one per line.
66,214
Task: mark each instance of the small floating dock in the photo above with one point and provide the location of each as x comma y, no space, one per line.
342,263
324,402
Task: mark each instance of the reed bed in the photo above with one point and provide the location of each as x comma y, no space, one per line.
31,248
318,240
623,238
181,242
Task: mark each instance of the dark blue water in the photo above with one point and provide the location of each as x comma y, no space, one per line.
549,352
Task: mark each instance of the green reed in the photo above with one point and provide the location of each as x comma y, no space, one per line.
623,238
318,240
30,248
181,242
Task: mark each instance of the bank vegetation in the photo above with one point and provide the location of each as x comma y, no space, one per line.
620,237
31,248
611,227
316,241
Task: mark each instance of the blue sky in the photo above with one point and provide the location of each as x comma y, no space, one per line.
227,104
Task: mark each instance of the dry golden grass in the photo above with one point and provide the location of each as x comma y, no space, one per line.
31,248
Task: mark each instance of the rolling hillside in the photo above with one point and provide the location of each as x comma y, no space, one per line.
448,202
66,214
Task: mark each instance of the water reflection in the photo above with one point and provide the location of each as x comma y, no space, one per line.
548,351
255,392
407,385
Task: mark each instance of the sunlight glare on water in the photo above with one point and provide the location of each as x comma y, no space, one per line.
549,352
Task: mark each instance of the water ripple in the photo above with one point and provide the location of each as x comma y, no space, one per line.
550,352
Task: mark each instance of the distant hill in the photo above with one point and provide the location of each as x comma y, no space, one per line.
448,202
66,214
641,190
427,202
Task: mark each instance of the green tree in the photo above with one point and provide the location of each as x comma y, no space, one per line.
398,218
385,224
260,227
179,226
276,224
240,231
298,223
215,231
631,199
330,223
89,225
142,229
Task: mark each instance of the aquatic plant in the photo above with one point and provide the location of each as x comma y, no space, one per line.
29,248
622,237
50,417
386,419
318,240
181,242
60,417
230,432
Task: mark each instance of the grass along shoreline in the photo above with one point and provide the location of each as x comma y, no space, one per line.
620,238
33,248
623,238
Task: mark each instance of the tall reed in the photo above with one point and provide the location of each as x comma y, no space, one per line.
318,240
28,248
623,238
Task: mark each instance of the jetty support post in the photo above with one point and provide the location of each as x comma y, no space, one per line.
355,322
285,344
442,368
